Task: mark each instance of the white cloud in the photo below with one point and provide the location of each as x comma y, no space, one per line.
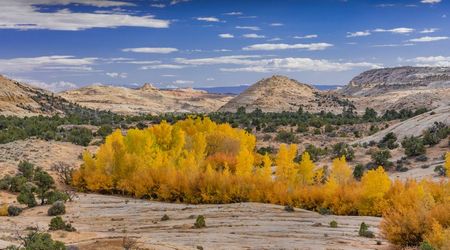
429,39
284,46
23,15
173,2
158,5
46,63
253,36
431,61
183,82
235,59
358,33
210,79
54,86
162,66
430,30
393,45
117,75
276,24
300,64
222,50
226,35
274,39
255,28
430,1
96,3
234,13
142,62
168,75
306,37
208,19
395,30
155,50
255,63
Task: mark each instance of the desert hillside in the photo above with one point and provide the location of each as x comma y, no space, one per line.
400,88
380,81
146,99
279,93
20,99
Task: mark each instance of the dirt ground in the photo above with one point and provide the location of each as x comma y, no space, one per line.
103,221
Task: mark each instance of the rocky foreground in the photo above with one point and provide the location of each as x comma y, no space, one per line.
103,221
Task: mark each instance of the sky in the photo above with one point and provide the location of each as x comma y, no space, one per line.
66,44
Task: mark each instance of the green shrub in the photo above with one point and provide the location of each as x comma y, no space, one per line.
80,136
26,197
388,141
364,231
165,217
381,158
57,223
413,146
440,170
200,222
341,149
286,137
54,196
58,208
358,171
26,169
14,211
426,246
104,131
333,224
41,241
289,208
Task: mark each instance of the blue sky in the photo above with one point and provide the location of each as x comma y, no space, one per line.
63,44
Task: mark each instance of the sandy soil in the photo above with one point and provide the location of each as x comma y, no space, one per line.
101,218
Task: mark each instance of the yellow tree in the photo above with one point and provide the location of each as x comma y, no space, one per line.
305,173
340,171
266,170
244,165
375,184
285,162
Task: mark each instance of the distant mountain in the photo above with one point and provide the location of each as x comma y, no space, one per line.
400,87
146,99
279,93
380,81
236,90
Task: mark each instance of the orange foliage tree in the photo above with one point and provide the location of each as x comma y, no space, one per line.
199,161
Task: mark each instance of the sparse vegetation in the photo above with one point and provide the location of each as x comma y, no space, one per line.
413,146
57,223
364,231
58,208
333,224
200,222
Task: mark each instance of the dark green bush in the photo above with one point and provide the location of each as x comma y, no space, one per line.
341,149
58,208
333,224
14,211
200,222
286,137
358,171
413,146
364,231
381,158
388,141
57,223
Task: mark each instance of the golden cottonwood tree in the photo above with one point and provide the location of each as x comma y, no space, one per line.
199,161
